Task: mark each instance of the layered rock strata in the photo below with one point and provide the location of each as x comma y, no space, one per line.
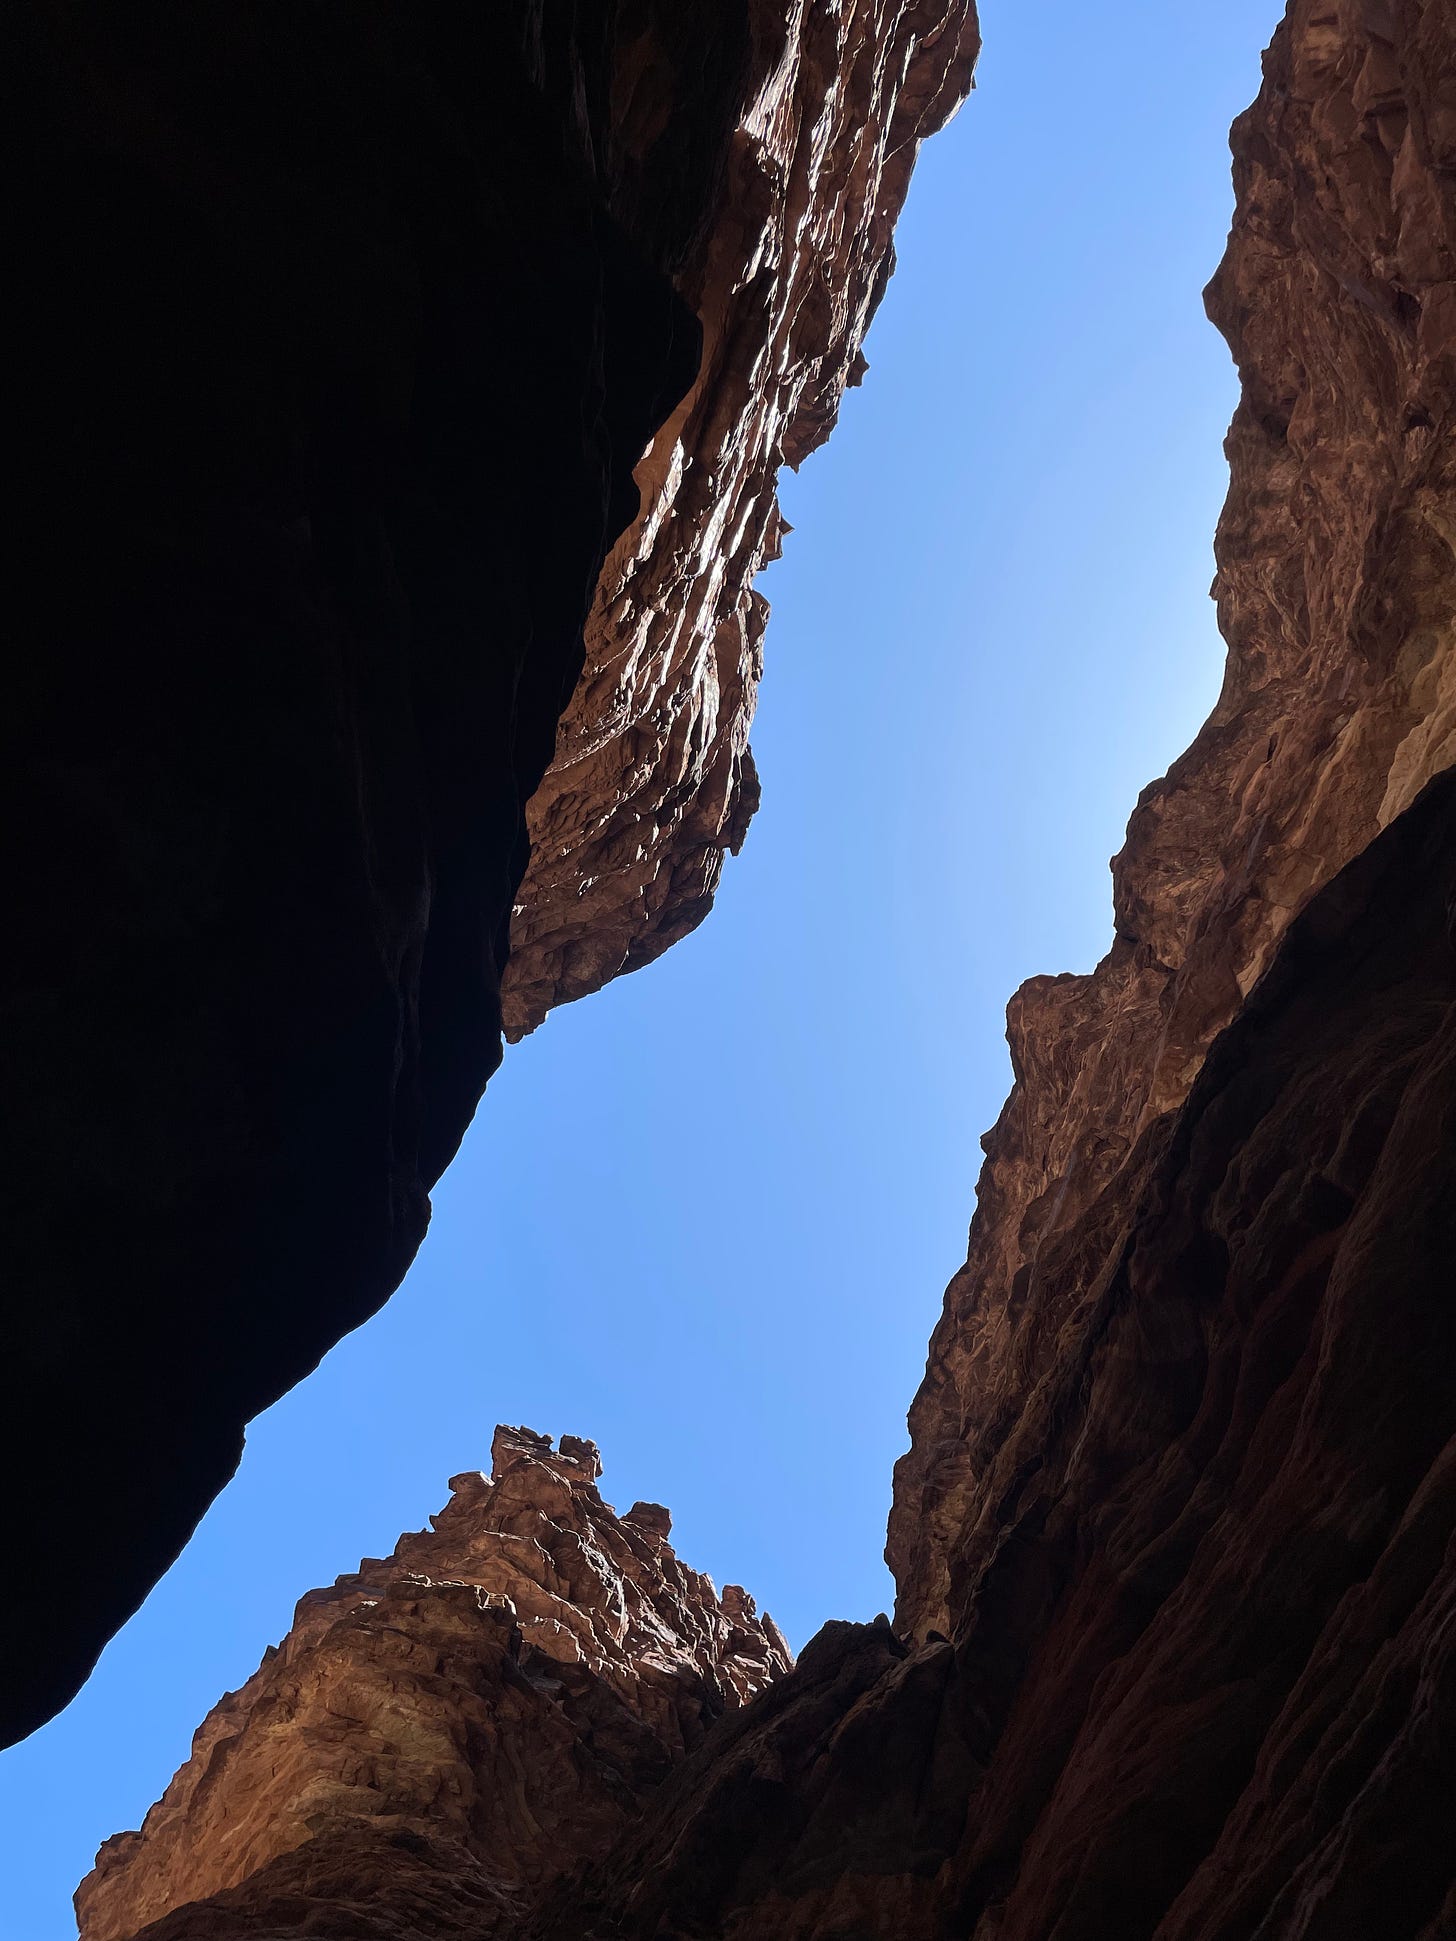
653,781
486,1706
340,337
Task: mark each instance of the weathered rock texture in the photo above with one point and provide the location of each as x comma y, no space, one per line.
488,1705
653,781
1176,1539
1336,589
341,335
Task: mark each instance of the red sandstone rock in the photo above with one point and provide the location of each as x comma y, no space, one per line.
1202,1683
1176,1538
1337,596
653,781
498,1695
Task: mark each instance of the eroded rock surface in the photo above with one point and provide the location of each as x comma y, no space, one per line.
1176,1536
486,1706
653,781
1201,1684
1336,590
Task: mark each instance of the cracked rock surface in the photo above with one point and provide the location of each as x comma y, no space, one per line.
493,1701
653,782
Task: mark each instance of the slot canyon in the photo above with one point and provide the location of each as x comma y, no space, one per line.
397,476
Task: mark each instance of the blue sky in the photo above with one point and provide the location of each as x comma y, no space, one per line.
706,1216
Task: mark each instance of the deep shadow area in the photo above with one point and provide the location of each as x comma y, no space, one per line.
334,361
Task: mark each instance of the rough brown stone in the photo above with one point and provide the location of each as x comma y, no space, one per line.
653,781
1203,1686
487,1705
1176,1538
1336,590
1202,1683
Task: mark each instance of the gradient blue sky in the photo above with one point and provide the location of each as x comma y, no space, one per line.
706,1216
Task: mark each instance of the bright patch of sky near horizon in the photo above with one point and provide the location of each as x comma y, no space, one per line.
706,1217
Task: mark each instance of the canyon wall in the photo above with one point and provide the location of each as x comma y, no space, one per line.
341,337
1200,1680
653,781
333,365
492,1702
1175,1540
1174,1657
1175,1651
1336,591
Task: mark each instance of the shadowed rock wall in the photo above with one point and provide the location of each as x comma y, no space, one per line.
1201,1679
334,366
341,338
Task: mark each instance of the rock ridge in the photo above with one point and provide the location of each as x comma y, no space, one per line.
653,781
1175,1540
502,1691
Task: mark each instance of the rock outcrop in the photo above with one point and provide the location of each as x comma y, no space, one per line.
1200,1683
1336,591
341,336
490,1704
653,781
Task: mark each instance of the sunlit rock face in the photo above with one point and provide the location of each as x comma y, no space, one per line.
1199,1683
492,1702
653,781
